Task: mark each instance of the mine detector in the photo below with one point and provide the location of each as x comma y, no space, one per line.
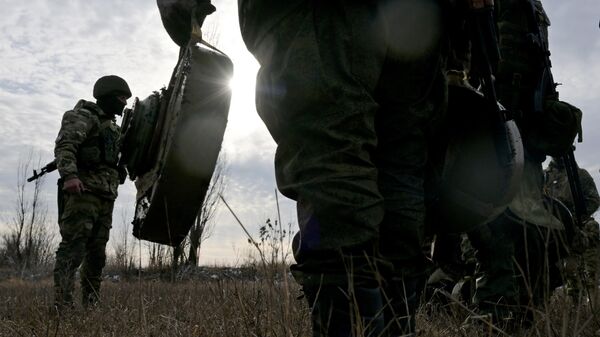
171,142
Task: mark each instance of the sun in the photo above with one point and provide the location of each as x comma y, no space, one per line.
242,113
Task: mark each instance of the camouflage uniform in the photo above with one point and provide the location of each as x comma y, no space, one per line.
87,148
582,268
350,91
516,251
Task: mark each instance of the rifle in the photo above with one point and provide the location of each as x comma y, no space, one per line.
546,87
51,166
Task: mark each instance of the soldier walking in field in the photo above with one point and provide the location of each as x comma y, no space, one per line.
582,268
86,155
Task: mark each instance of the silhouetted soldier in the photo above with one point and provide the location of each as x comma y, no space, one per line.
582,269
86,154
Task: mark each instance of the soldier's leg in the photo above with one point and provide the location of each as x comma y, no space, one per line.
450,269
591,262
538,250
412,94
532,268
401,158
447,254
320,67
95,257
591,259
497,291
76,223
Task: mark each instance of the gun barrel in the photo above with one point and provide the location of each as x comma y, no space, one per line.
33,177
51,166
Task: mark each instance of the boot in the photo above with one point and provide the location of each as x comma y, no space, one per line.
63,295
402,299
89,298
63,303
339,313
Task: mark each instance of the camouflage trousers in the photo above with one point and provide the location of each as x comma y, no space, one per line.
517,266
582,269
351,91
85,221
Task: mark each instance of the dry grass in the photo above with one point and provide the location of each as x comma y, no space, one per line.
561,317
157,308
234,308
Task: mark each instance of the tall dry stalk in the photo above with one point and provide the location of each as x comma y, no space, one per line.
29,242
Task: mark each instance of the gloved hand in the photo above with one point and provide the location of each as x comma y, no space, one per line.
74,186
177,16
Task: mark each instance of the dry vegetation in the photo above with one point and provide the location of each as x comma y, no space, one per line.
157,308
256,304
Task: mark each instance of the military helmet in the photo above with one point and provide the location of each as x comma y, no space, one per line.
109,84
483,162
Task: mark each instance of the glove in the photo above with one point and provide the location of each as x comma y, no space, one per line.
177,15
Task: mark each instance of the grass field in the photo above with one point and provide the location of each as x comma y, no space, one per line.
156,308
249,306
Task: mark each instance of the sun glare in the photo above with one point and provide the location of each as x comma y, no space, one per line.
242,115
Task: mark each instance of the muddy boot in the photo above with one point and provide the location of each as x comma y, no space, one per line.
337,313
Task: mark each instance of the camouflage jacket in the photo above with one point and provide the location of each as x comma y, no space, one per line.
517,74
87,147
557,186
258,17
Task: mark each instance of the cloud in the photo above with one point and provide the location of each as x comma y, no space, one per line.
53,51
575,47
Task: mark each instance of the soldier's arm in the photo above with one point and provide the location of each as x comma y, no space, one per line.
176,17
590,192
74,130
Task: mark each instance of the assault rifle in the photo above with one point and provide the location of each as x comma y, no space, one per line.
51,166
546,87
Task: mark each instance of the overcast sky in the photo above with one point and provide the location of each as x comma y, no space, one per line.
53,51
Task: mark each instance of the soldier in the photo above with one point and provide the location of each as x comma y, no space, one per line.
581,268
363,92
86,154
516,251
351,92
